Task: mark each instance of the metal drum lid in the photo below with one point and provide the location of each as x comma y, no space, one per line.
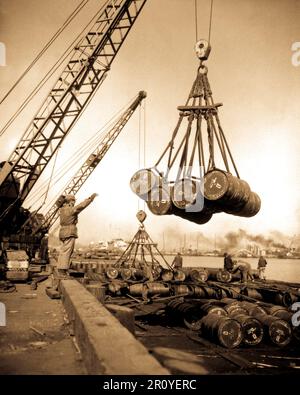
143,181
216,184
160,201
184,192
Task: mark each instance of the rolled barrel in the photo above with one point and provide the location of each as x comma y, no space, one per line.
125,273
112,273
209,308
279,331
179,275
200,275
224,330
185,313
167,275
253,309
252,329
234,309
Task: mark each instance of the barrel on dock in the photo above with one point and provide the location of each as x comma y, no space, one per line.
112,272
198,275
182,289
209,308
167,275
226,331
211,293
186,313
154,288
252,293
234,309
253,309
279,331
179,275
125,273
252,329
198,292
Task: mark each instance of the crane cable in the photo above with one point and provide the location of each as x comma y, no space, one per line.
48,75
142,141
210,20
50,42
80,154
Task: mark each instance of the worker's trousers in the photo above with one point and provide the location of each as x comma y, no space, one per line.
261,273
66,250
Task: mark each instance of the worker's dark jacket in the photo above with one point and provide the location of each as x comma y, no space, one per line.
69,219
228,263
262,262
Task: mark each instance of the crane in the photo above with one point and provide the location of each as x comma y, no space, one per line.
84,73
78,82
92,162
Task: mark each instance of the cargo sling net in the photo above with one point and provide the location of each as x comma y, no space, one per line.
200,177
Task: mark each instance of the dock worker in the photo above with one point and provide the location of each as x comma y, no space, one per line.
177,261
228,262
261,266
68,229
245,270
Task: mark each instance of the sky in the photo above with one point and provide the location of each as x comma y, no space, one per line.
250,71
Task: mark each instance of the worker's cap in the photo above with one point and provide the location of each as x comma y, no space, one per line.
69,198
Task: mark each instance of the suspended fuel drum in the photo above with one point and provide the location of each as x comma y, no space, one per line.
159,202
279,331
224,330
143,181
198,217
230,194
252,329
187,154
186,192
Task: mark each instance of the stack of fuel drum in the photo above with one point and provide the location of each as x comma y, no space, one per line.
194,199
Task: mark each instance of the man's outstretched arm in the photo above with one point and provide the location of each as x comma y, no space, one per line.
81,206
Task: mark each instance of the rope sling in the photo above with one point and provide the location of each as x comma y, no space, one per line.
196,177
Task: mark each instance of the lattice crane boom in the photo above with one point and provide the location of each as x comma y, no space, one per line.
84,73
94,159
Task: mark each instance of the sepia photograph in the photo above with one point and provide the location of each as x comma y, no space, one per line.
150,190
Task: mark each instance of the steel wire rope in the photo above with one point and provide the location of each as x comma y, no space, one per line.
48,45
89,147
49,74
